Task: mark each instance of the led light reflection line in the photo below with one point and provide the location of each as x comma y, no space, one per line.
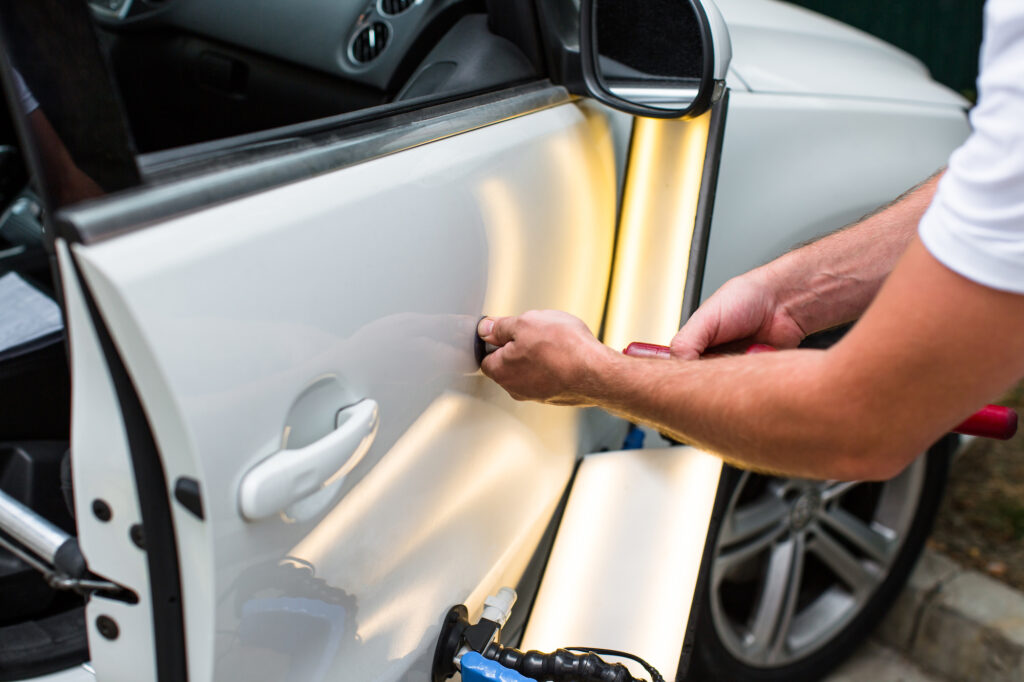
624,567
658,215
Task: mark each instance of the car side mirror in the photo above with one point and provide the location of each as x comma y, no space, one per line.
656,58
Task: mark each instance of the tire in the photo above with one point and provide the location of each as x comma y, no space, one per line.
778,534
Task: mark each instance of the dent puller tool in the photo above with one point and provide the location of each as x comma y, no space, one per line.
476,651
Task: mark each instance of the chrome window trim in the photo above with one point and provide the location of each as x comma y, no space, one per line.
174,188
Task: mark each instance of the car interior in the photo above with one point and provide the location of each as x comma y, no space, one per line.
38,625
191,73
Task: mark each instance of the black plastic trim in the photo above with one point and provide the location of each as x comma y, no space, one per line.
691,301
705,208
559,30
516,20
68,559
725,485
188,494
257,169
43,646
154,507
469,57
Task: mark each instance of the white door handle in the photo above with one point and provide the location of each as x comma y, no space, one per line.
288,476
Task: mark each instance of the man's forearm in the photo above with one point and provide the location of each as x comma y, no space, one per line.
832,281
931,348
913,366
745,410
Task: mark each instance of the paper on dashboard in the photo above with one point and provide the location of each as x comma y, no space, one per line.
26,314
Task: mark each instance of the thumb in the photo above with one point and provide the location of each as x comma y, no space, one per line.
497,331
692,340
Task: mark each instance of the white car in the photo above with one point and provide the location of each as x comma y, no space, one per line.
274,226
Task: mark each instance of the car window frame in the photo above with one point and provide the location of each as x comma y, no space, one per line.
235,166
202,182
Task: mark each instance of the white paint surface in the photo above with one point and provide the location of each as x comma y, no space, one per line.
781,48
797,167
375,274
101,469
624,567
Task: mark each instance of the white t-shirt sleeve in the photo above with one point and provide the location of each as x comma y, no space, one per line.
975,224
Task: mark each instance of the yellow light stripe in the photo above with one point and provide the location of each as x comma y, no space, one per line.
658,213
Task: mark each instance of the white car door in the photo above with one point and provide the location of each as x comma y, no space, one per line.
275,372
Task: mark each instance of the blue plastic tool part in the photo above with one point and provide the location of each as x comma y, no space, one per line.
476,668
634,439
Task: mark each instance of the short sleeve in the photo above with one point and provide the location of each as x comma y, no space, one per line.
975,225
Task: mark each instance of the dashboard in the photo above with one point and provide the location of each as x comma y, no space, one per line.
366,41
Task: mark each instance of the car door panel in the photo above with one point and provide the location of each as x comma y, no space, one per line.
99,436
373,275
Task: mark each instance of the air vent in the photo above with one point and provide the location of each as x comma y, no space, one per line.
393,7
370,42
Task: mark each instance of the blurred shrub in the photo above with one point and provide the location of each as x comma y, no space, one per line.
944,34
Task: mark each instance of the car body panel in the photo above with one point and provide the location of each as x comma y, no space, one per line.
98,434
224,316
795,167
782,48
652,506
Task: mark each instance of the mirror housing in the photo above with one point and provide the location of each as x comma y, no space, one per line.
663,59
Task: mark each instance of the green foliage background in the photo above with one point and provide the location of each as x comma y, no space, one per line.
944,34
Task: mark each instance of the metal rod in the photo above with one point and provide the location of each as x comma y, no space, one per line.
30,529
33,561
57,580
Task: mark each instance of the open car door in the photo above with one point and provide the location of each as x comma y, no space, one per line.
275,242
275,375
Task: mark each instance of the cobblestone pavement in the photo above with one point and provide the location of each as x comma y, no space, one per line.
874,662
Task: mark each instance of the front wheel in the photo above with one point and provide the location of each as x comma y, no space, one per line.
802,571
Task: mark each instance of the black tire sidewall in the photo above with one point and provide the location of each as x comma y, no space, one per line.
712,661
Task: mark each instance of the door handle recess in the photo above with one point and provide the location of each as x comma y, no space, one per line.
288,476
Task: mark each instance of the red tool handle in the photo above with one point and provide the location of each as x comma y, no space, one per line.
638,349
991,421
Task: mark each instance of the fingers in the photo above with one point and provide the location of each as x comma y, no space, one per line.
540,355
492,364
499,367
496,332
742,312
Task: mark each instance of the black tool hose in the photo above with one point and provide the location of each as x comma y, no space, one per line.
563,665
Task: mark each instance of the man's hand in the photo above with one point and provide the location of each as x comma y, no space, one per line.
546,355
745,310
826,283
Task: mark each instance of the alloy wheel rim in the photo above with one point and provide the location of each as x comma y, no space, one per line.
796,561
